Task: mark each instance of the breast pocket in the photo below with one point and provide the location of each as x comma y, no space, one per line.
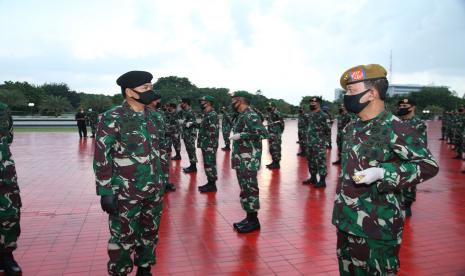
133,143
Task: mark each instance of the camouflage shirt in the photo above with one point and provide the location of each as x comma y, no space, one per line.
191,131
92,117
275,122
247,151
172,125
7,166
317,127
128,151
420,126
374,211
209,131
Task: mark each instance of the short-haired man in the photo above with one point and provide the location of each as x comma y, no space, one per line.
381,155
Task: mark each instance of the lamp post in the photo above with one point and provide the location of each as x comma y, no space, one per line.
31,105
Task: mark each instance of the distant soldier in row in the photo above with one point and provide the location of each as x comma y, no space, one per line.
207,141
92,121
325,109
173,129
189,133
343,119
457,126
301,131
316,133
381,155
406,113
226,125
275,131
248,132
10,200
128,165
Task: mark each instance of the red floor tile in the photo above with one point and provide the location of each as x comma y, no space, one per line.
64,232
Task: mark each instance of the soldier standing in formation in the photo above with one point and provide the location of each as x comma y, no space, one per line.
10,200
127,164
226,124
173,130
207,141
342,120
92,120
316,133
189,133
301,131
458,126
248,132
275,130
81,119
154,106
407,108
325,109
381,155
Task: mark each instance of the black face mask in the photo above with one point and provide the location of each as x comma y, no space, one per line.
403,111
301,111
147,97
352,102
269,109
312,107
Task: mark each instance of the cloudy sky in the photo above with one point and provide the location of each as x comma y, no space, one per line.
286,48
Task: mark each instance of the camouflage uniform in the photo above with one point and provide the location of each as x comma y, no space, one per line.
246,156
458,129
342,120
128,164
189,134
370,218
226,124
275,131
317,128
173,131
92,120
207,141
10,200
328,134
301,130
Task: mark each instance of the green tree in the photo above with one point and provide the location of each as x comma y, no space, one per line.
13,98
99,103
54,105
62,90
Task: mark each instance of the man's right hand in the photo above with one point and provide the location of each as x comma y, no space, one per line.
109,205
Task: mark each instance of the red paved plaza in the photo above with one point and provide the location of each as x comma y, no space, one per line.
64,231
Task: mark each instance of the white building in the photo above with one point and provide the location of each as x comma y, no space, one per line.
393,90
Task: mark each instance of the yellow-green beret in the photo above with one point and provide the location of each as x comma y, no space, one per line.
207,98
361,73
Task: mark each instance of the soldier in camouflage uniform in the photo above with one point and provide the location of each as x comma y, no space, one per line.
275,131
406,113
248,132
226,124
448,122
207,141
301,131
458,122
10,201
342,120
325,109
317,128
165,159
189,133
92,120
381,155
129,176
173,130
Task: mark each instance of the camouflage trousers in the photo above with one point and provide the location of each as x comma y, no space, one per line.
361,256
339,143
274,145
209,163
189,143
316,159
249,190
135,229
174,140
10,205
328,138
226,130
93,127
409,194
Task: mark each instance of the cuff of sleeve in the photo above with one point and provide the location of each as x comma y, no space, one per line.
102,191
390,178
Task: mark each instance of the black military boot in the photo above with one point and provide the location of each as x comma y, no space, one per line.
169,187
226,148
177,156
322,182
274,165
250,225
236,225
191,169
143,271
10,266
312,180
208,188
301,153
408,209
337,162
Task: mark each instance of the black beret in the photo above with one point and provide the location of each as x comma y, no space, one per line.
315,99
407,101
186,100
134,79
